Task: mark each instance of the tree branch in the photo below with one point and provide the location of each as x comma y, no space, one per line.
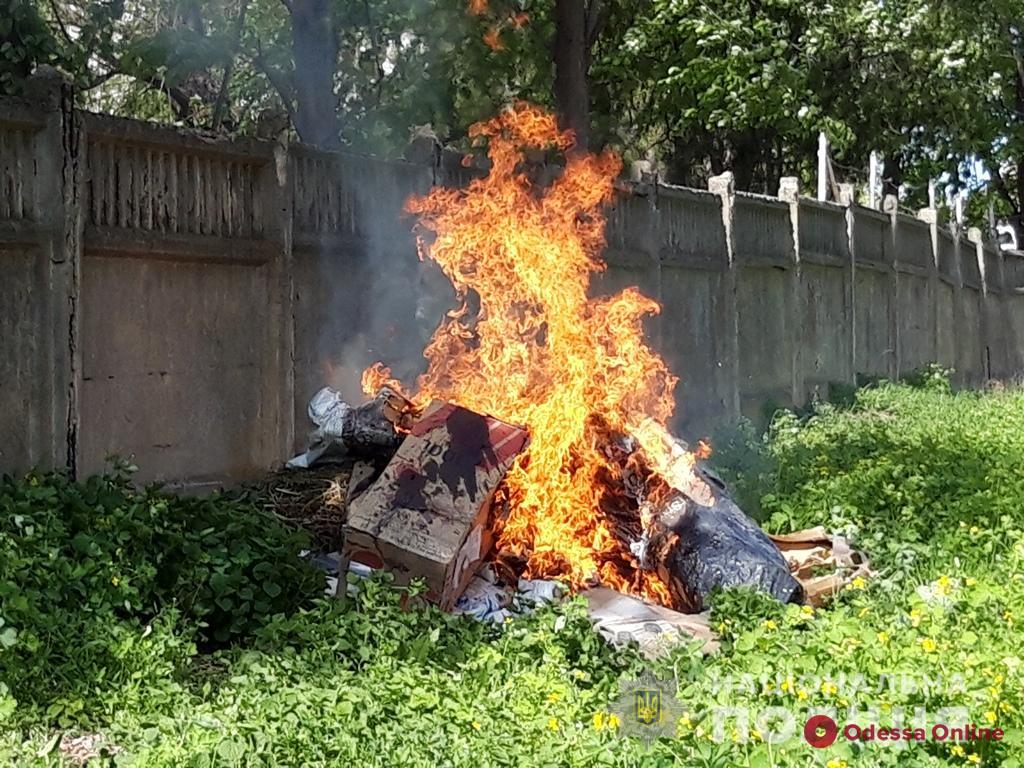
180,101
276,80
60,22
229,68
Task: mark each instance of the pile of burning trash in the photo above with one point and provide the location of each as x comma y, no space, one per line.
535,440
425,500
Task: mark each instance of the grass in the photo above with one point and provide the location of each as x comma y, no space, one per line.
928,482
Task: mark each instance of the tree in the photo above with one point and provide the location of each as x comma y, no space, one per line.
577,25
25,42
315,53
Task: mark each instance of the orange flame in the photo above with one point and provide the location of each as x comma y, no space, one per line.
541,353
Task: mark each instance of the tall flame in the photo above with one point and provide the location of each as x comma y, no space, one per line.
528,346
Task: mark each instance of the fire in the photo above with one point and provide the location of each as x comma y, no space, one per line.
527,345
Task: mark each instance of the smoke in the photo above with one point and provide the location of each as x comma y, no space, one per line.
382,303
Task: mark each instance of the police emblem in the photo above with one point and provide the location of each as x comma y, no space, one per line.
647,708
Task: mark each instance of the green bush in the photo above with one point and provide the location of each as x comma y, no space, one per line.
83,566
926,481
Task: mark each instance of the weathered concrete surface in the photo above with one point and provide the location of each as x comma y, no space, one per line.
40,236
173,295
175,367
825,299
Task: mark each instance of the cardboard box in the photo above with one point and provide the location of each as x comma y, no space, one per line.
428,514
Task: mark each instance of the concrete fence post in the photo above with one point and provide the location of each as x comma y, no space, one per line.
890,206
789,191
985,330
727,323
930,216
59,156
850,297
275,190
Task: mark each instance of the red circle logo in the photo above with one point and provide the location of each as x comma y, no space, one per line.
828,734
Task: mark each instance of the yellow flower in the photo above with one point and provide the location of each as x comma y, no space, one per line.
476,725
943,581
769,624
915,617
1008,617
1005,707
929,645
598,721
612,721
957,750
973,758
807,610
858,583
553,697
975,530
785,686
801,695
990,716
116,581
970,581
685,720
883,637
835,763
829,689
552,724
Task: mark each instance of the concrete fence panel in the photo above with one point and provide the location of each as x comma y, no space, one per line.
915,268
874,294
825,312
173,295
695,320
971,347
765,255
183,304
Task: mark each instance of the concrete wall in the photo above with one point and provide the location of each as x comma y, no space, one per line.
171,295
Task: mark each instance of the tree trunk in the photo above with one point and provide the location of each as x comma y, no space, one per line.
571,55
315,51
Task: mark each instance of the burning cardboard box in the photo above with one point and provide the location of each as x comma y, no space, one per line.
428,514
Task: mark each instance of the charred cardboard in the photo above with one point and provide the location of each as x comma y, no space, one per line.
428,514
622,619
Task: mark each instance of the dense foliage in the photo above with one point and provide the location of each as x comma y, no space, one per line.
927,481
695,88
